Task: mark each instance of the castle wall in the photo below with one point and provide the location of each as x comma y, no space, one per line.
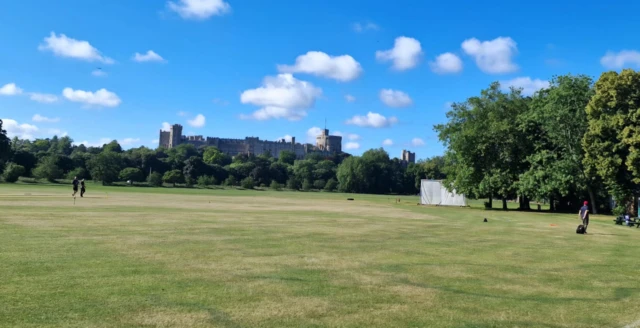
165,139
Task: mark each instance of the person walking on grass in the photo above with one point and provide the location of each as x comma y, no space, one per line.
82,188
75,186
584,215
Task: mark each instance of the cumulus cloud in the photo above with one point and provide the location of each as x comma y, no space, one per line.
493,57
527,85
40,118
622,59
99,73
387,142
43,97
395,98
282,96
150,56
197,122
22,131
129,141
341,68
99,143
362,27
64,46
352,146
102,97
417,142
286,138
349,98
10,89
353,136
372,120
312,133
199,9
446,63
165,126
405,53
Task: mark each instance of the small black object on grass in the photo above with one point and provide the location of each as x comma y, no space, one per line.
485,220
349,198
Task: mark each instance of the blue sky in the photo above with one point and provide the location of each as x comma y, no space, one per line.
375,70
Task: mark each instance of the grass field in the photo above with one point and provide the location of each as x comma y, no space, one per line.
131,257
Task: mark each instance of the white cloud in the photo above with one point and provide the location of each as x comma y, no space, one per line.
150,56
312,133
286,138
99,73
405,53
527,85
349,98
102,97
353,136
493,57
10,89
197,122
282,96
417,142
395,98
624,58
129,141
446,63
387,142
220,102
352,146
43,98
341,68
199,9
40,118
64,46
372,120
165,126
22,131
98,143
362,27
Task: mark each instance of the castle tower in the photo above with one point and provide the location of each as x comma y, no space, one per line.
175,134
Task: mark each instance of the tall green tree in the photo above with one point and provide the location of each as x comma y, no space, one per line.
48,169
556,125
105,167
5,146
612,139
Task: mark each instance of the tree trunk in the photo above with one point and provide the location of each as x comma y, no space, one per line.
524,203
594,207
552,204
490,201
504,203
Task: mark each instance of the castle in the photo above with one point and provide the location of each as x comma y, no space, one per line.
325,143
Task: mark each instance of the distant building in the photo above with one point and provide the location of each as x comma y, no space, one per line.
408,157
251,145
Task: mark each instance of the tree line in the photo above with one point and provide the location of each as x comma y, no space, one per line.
574,140
52,159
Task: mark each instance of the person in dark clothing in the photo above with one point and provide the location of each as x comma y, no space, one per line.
75,186
584,215
82,188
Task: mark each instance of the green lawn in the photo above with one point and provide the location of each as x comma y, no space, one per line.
131,257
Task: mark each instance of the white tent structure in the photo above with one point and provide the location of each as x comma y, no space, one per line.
432,192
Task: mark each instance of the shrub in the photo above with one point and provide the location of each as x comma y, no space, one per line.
319,184
231,181
206,180
306,185
173,177
131,173
247,183
155,179
79,172
12,172
331,185
48,170
275,185
293,184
